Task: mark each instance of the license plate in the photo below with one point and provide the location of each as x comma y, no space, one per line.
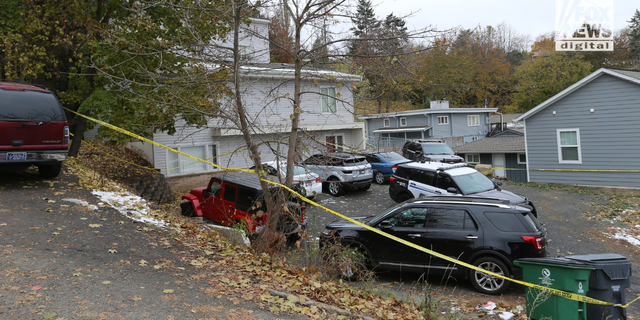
16,156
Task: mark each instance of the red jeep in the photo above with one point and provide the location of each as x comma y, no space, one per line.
236,198
33,128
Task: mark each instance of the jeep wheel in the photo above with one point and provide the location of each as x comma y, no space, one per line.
49,170
335,188
378,177
486,283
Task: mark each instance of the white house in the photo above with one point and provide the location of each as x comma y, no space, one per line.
265,87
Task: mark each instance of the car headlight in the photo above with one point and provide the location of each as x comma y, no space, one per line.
328,233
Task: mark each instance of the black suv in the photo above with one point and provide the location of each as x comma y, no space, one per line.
33,129
235,198
425,179
427,150
486,233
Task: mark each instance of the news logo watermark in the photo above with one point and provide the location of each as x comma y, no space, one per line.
584,25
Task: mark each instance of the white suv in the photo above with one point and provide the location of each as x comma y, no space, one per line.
425,179
340,170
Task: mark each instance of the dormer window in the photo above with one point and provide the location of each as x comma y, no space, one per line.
386,122
403,122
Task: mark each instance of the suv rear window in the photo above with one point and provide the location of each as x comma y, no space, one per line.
436,149
507,222
29,106
535,224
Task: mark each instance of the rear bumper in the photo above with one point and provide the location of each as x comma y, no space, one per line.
358,184
34,156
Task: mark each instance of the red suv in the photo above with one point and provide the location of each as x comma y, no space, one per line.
234,198
33,128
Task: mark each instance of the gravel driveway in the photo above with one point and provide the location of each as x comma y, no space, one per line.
565,215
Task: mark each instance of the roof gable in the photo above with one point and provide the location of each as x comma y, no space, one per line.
631,76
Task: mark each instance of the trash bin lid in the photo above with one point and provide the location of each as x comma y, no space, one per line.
561,261
615,266
597,257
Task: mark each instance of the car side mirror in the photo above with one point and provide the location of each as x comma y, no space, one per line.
206,193
385,225
497,183
452,190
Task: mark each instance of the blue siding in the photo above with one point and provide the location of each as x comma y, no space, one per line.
610,136
520,172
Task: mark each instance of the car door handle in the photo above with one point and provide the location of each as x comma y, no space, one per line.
415,235
411,183
471,237
217,202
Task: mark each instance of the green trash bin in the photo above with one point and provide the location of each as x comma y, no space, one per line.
557,273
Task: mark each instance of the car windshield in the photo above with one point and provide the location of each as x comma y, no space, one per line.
436,149
377,218
392,156
473,182
354,162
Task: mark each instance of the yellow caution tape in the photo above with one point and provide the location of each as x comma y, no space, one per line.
561,293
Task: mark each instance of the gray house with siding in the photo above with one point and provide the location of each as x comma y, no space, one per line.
504,151
588,134
455,126
326,120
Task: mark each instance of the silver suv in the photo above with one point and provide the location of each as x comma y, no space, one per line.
339,170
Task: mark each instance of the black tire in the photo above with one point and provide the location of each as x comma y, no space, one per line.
365,188
403,197
335,188
187,209
488,284
49,170
378,177
352,264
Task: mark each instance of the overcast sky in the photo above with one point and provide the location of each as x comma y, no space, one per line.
527,17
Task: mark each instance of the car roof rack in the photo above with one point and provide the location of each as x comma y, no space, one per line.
466,199
41,86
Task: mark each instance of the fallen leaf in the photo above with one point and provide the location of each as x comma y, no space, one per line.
50,316
77,274
55,233
48,210
168,291
106,282
113,251
83,218
95,225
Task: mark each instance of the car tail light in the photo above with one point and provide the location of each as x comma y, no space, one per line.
536,241
394,168
318,179
391,179
65,135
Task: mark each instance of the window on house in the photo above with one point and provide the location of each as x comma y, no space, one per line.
179,164
443,120
403,121
328,100
522,158
334,143
386,122
569,146
473,120
474,138
473,158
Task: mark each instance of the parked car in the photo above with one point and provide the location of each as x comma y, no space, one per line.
383,164
236,198
424,179
429,150
487,233
33,129
309,181
340,170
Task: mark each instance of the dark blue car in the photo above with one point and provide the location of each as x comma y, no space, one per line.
383,163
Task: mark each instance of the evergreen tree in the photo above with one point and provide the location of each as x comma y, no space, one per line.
365,19
634,35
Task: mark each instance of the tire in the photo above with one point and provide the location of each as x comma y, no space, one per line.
351,264
187,209
335,188
365,188
378,177
49,170
485,283
403,197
